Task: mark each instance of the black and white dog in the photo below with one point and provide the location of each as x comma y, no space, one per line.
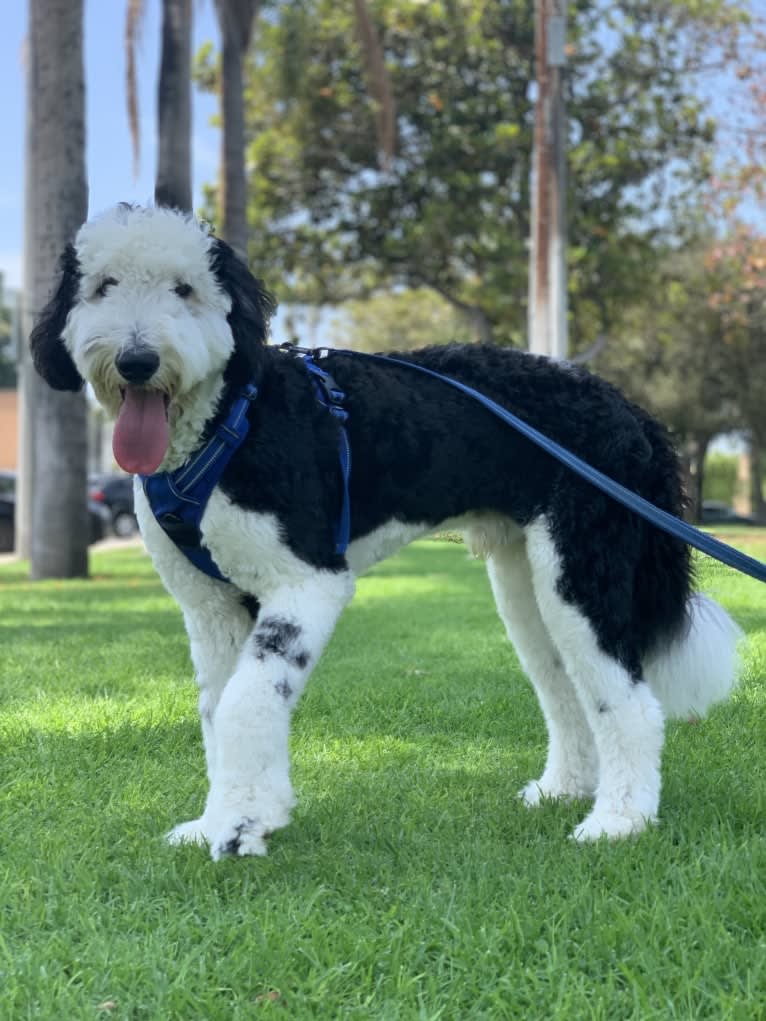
168,325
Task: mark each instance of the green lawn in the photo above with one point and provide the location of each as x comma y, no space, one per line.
411,883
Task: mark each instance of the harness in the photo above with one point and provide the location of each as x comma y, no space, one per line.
178,498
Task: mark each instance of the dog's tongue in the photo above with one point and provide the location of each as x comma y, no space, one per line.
141,432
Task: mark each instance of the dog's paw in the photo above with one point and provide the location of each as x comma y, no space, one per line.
611,825
536,792
192,832
238,838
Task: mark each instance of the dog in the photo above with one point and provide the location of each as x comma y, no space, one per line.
168,326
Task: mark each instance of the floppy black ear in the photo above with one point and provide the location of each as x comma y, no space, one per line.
50,357
251,308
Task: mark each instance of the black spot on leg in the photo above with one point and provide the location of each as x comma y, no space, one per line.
277,636
603,707
283,688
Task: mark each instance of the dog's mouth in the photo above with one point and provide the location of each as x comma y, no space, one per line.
141,432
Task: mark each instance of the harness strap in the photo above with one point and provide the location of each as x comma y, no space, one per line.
178,499
331,397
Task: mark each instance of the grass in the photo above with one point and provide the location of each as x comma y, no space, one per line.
411,883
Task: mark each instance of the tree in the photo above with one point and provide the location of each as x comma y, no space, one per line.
236,19
173,184
398,321
674,356
56,205
451,210
737,267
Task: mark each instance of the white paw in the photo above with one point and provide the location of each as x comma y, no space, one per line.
536,792
192,832
612,825
239,837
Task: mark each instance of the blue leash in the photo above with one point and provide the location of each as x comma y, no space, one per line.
662,519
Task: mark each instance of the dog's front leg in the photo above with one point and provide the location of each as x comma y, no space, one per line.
217,624
250,792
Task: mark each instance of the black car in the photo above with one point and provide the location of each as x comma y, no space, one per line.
98,519
715,512
115,492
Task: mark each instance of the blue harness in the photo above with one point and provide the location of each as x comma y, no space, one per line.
178,498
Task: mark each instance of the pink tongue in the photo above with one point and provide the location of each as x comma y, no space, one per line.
141,432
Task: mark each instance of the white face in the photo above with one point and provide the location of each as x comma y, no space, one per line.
147,284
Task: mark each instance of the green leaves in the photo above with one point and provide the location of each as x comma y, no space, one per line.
452,210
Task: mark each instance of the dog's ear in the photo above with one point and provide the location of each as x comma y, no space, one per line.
251,308
50,357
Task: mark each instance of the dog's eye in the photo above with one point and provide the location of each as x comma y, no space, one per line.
183,290
104,286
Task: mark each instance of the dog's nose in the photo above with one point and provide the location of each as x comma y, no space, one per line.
137,365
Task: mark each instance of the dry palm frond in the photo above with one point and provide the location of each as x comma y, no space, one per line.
133,21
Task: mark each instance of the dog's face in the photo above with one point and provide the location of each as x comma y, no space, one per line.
151,310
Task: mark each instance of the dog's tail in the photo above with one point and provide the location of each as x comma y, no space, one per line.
699,667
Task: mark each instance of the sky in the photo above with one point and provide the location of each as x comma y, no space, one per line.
109,156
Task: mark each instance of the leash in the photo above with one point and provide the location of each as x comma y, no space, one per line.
661,519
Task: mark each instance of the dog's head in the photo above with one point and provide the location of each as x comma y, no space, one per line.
155,313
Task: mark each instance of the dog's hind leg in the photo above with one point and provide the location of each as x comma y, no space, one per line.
571,768
624,715
250,794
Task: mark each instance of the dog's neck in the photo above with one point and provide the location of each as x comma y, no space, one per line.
190,420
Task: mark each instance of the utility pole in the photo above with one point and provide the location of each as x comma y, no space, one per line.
547,312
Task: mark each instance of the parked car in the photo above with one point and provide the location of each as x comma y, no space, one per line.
7,532
98,517
115,492
715,512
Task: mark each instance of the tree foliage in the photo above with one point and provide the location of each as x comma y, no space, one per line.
398,321
451,212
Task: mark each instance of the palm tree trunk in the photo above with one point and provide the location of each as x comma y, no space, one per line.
236,18
757,501
56,205
173,182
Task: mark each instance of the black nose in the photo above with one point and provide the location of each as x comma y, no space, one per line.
137,364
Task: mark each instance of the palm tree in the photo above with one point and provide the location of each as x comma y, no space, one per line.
56,203
173,179
173,182
236,19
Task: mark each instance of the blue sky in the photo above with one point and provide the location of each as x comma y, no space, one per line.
110,159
